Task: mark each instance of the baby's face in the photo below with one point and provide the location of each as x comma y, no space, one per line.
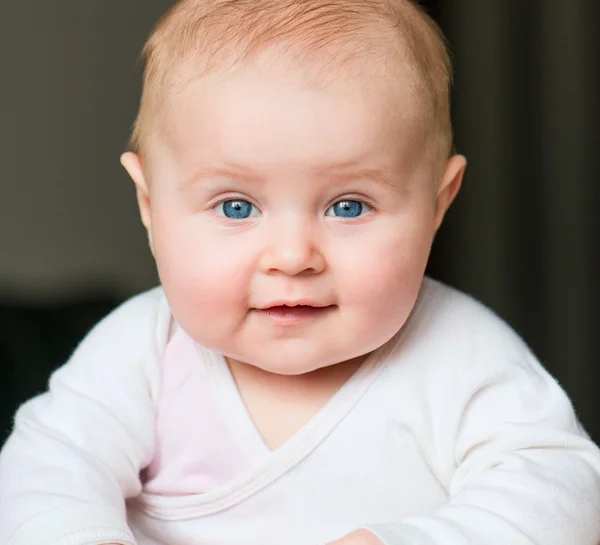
291,224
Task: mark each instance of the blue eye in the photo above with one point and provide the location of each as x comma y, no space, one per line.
237,209
347,209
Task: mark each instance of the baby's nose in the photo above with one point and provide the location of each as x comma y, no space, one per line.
292,249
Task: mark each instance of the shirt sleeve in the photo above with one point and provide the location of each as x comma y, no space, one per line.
76,452
524,472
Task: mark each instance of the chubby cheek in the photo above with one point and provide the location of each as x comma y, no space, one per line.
205,277
387,274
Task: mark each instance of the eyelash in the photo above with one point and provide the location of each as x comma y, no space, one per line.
352,198
233,197
365,206
223,202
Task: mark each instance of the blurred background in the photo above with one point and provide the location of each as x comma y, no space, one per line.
523,236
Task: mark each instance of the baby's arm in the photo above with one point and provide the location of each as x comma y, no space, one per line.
76,452
526,474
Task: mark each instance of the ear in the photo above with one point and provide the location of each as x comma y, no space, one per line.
449,186
132,164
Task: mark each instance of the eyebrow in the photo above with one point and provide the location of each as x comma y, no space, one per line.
205,172
344,172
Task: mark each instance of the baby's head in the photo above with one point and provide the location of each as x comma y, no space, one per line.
292,163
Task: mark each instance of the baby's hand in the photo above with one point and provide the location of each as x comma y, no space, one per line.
359,537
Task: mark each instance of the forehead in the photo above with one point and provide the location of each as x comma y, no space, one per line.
261,106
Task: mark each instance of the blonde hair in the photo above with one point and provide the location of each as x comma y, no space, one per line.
216,30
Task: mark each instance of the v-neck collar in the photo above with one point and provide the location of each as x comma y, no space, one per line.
244,429
241,425
266,465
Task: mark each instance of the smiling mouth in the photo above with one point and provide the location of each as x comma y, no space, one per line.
288,315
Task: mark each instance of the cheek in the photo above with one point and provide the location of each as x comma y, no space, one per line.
199,270
386,274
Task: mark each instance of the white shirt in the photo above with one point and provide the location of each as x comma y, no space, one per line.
450,434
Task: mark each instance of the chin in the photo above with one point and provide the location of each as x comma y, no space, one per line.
289,369
282,366
297,367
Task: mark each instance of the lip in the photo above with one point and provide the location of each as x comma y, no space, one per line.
294,303
289,314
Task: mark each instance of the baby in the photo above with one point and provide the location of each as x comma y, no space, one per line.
295,380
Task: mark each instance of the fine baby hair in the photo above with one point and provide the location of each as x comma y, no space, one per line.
332,36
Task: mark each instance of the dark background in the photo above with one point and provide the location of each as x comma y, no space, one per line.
522,237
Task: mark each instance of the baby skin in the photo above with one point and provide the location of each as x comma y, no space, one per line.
305,213
295,378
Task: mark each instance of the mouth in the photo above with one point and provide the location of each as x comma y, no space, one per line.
292,313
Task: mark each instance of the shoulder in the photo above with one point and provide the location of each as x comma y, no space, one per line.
125,345
143,307
445,306
451,333
141,317
456,356
459,320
